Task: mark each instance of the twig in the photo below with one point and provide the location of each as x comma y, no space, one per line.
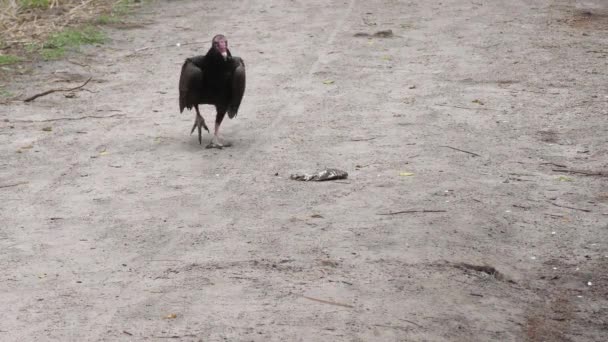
558,165
127,333
414,323
175,336
78,63
489,46
73,119
364,139
521,206
537,92
15,184
586,173
160,47
412,211
391,327
32,98
461,107
567,207
457,149
328,302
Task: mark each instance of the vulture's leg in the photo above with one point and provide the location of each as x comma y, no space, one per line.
198,123
217,142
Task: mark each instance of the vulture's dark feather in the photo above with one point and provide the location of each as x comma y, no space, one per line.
238,87
190,84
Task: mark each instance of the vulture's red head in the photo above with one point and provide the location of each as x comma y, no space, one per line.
220,43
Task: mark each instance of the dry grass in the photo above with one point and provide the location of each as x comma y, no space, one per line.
32,22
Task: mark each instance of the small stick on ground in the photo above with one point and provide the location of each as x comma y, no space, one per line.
160,47
78,63
33,97
412,211
363,139
581,172
328,302
470,108
521,206
558,165
73,119
414,323
457,149
567,207
391,327
11,185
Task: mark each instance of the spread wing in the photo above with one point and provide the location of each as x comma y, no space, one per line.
190,82
237,86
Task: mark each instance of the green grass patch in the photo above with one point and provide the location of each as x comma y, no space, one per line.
32,4
106,19
49,54
57,44
75,37
9,59
4,93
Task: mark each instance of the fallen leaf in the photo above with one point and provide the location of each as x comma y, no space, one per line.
47,129
565,179
103,153
387,58
171,316
406,174
328,82
478,102
27,147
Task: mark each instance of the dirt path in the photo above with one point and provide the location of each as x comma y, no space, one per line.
121,227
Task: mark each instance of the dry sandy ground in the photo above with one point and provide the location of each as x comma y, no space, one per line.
118,226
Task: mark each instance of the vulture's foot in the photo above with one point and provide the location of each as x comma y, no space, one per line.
218,143
214,145
199,123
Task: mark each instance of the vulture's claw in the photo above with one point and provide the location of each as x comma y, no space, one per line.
194,126
214,145
199,123
217,143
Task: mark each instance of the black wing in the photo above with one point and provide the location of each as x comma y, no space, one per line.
190,83
238,86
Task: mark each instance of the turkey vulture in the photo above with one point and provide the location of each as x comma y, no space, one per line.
216,79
